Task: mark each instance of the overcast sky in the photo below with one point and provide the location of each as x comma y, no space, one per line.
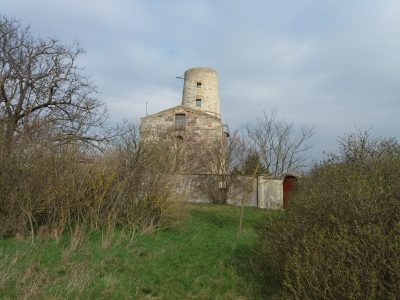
333,65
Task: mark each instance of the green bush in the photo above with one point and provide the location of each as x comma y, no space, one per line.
340,236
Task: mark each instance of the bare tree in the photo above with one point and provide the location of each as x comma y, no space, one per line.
280,147
270,146
43,93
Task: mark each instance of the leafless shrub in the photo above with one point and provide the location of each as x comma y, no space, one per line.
47,189
280,146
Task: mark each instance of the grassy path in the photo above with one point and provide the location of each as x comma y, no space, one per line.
203,258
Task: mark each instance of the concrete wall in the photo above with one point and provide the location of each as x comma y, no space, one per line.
268,193
263,192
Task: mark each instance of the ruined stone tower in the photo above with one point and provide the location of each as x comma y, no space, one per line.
195,124
200,90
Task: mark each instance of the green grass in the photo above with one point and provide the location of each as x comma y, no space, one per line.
203,258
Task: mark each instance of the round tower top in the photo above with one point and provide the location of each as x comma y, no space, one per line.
200,90
201,70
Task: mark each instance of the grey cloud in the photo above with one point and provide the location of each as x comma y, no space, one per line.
329,64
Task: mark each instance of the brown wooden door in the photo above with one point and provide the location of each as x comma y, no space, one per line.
288,184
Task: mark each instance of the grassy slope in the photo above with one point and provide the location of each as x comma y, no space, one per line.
204,258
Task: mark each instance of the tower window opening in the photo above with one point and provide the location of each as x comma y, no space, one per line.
198,84
180,121
198,102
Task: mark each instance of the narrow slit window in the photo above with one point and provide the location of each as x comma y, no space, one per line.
198,84
180,121
198,102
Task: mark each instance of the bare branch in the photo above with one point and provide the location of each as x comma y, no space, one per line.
279,146
39,80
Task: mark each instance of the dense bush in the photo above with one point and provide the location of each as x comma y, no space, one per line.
340,236
47,189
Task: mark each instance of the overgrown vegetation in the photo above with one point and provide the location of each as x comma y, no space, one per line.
59,169
47,189
203,258
340,235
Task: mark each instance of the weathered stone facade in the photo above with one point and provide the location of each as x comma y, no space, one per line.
195,123
202,84
199,126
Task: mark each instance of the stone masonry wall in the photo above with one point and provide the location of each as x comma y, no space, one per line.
202,83
200,127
